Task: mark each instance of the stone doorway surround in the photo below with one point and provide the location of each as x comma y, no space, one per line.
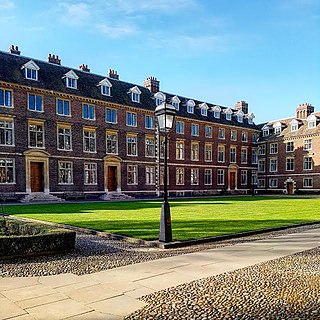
112,161
233,171
290,186
40,156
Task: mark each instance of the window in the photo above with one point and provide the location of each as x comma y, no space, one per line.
294,126
132,174
273,165
307,182
88,112
220,177
159,101
176,105
240,117
262,150
194,129
290,164
261,166
277,129
265,132
244,155
175,102
208,132
254,156
31,70
89,140
221,153
36,135
204,112
208,152
105,90
131,119
65,172
135,97
5,98
64,138
244,136
180,127
194,176
35,103
7,170
150,175
179,176
150,147
261,183
63,107
194,151
6,132
312,121
71,80
111,142
273,148
255,137
190,106
216,112
244,177
273,183
307,163
221,133
228,116
180,150
90,173
111,115
233,154
149,123
307,145
207,176
132,149
233,135
289,146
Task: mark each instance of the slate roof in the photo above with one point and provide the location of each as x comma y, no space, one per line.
50,77
286,132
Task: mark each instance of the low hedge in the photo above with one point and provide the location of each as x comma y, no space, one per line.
20,238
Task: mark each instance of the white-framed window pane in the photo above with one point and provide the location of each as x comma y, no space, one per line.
132,146
220,177
150,147
111,143
6,133
65,172
111,115
90,173
7,171
89,141
5,98
63,107
131,119
194,176
208,176
180,176
150,175
132,174
36,135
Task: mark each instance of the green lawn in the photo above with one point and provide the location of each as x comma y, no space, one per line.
191,219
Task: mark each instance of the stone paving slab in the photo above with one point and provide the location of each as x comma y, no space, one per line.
114,293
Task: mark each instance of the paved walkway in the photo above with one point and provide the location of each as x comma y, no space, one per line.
114,293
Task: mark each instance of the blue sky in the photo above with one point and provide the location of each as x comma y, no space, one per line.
266,52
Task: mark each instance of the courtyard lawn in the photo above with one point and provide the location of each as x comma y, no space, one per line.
191,218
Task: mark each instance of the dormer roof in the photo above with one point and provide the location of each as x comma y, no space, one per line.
105,82
30,65
71,74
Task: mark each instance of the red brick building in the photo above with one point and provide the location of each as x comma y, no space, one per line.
289,153
66,130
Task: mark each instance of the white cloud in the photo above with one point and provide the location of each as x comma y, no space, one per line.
114,31
6,5
74,14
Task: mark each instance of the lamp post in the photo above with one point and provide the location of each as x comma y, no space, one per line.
165,114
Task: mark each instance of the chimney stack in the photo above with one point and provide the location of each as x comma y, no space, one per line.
304,110
15,50
84,67
243,106
113,74
54,59
152,84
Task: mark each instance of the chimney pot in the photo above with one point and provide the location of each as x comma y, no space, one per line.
152,84
113,74
14,50
52,58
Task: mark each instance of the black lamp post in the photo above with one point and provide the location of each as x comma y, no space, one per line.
165,114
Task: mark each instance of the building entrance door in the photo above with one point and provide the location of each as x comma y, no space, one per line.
290,187
36,177
112,178
232,180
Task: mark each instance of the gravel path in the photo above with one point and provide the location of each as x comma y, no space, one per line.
286,288
94,253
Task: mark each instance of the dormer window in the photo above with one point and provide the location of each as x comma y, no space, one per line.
312,121
135,94
250,118
228,114
240,116
31,70
105,87
204,109
71,80
175,102
278,127
265,130
216,112
160,98
190,106
294,125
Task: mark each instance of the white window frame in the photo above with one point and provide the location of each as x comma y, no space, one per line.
90,173
67,168
132,169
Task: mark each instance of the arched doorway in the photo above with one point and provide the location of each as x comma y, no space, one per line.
112,174
290,186
232,177
37,171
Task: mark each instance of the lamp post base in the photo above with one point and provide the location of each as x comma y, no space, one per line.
165,223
